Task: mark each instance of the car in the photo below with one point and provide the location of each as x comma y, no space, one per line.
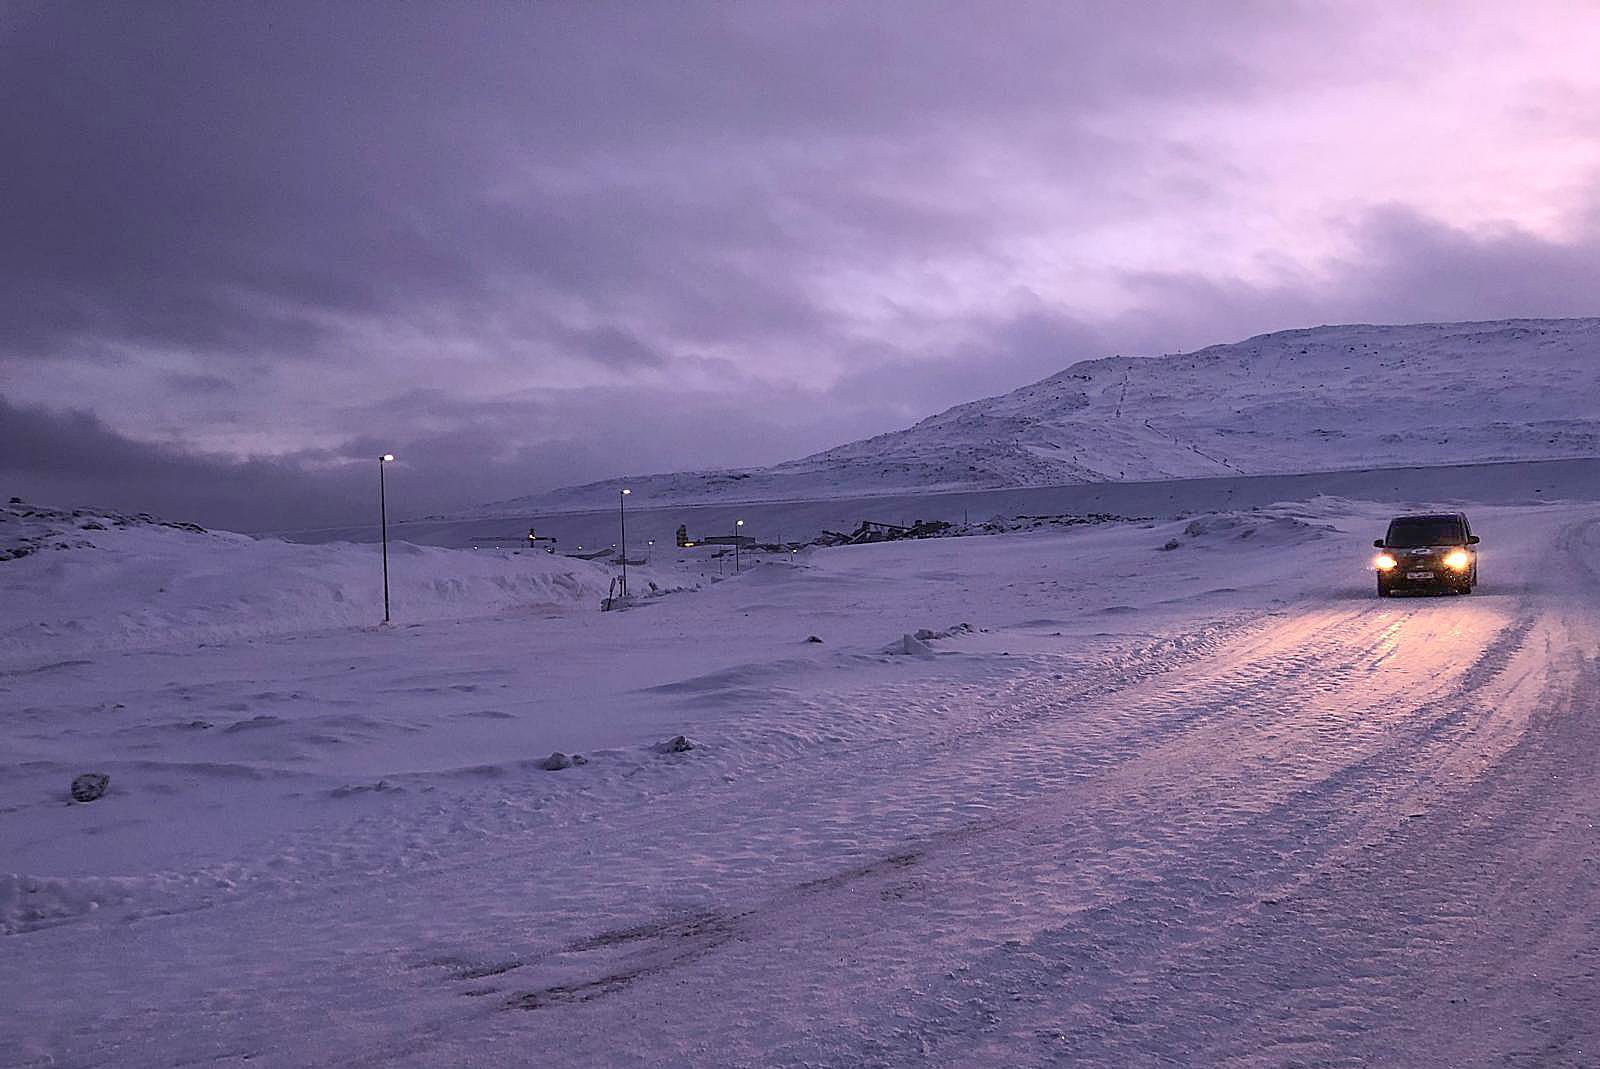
1433,552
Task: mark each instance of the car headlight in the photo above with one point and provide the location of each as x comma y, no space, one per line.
1457,560
1383,562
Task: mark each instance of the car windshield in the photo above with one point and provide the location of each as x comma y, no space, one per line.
1410,534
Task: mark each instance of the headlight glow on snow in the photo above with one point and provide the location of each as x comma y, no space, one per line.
1383,562
1457,560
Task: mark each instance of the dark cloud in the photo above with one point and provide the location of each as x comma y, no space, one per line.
451,453
615,347
222,176
1403,267
997,355
71,458
190,383
1417,267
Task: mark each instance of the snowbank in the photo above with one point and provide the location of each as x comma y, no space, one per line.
1266,527
92,581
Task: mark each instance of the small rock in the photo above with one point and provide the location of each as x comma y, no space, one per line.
676,744
382,786
556,762
909,646
1174,544
579,759
89,786
814,638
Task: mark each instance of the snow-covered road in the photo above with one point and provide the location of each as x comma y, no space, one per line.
1218,806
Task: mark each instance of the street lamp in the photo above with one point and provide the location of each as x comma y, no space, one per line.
650,550
383,522
622,521
736,525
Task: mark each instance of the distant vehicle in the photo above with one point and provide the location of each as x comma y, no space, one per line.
1432,552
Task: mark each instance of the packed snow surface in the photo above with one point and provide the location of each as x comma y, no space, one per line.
1320,399
1059,797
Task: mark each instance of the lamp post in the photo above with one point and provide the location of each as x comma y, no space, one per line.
622,521
736,525
383,526
649,550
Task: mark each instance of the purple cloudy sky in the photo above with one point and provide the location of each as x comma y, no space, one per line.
247,247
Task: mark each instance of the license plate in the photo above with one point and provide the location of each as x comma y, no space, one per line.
1419,575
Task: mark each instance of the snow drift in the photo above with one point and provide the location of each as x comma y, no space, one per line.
80,580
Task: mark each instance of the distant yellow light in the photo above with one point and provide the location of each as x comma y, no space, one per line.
1384,563
625,490
387,457
1457,560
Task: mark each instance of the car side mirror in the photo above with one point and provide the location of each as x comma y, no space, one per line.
1377,543
1473,540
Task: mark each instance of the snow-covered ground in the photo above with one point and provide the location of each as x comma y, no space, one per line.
1210,805
1319,399
81,580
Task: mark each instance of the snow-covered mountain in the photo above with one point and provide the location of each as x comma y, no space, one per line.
1319,399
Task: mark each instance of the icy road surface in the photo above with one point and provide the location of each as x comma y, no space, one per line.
1212,806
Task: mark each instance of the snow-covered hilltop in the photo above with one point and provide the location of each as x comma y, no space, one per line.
1320,399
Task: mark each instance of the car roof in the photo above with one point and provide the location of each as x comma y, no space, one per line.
1432,517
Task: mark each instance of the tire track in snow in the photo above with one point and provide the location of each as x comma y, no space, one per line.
1159,1009
1140,959
1026,736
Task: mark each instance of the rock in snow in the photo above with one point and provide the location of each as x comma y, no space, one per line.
927,634
909,646
558,760
382,786
89,786
676,744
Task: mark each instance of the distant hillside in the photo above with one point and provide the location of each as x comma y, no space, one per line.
1318,399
